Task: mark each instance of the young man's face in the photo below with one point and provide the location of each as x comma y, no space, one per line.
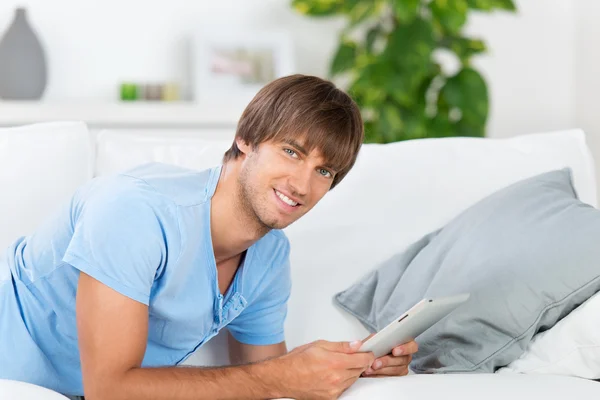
280,182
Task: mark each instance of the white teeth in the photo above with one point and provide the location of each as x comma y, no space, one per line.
286,199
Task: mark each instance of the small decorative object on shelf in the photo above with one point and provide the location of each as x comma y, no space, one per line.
152,92
170,92
23,71
131,91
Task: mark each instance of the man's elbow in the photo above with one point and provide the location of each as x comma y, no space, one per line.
102,387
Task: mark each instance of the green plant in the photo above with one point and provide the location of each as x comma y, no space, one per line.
386,56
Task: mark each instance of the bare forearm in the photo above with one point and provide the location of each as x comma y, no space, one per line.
241,353
254,381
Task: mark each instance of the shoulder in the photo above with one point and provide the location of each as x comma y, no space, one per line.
127,197
116,192
183,186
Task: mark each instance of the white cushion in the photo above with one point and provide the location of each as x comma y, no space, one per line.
571,347
473,387
120,150
41,165
16,390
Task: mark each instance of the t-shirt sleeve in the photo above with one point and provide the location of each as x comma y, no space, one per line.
262,322
118,240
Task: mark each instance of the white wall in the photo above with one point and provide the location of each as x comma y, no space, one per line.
530,66
587,74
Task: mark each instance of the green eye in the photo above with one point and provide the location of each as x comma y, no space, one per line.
325,173
290,152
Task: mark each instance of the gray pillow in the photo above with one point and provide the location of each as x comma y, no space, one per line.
528,254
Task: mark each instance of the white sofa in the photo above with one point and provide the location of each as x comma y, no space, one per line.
395,194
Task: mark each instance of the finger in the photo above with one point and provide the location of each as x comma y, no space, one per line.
406,348
368,337
354,361
341,347
388,371
359,360
391,361
355,373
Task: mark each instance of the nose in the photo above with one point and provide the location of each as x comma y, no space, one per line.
300,180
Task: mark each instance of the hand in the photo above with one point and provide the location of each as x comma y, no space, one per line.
322,370
394,364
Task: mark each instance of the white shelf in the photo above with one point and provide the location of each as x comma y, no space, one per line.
122,115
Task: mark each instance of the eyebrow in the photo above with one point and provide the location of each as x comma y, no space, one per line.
304,152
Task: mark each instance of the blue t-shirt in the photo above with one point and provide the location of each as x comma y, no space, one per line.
146,234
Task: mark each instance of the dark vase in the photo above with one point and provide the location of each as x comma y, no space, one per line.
23,72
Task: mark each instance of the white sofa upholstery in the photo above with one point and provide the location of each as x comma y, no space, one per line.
395,194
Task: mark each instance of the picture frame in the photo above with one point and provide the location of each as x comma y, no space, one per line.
231,67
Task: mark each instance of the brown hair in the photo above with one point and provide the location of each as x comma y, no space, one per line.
308,108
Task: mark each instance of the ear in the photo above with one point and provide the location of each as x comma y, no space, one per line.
243,146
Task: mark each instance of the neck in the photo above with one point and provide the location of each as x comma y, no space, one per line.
234,227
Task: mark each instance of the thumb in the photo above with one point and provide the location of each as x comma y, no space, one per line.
342,347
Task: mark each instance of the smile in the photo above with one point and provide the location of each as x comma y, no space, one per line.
286,199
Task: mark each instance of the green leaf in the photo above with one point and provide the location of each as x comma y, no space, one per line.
367,95
360,12
372,35
424,86
370,97
489,5
318,8
399,89
505,5
410,46
344,57
464,47
466,91
391,122
373,132
414,123
440,126
406,10
451,14
375,75
464,128
466,84
408,55
374,97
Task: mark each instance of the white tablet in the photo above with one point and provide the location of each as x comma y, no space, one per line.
411,324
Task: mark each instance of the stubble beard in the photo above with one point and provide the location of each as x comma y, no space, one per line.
247,200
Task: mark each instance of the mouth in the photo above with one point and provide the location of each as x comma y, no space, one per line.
287,201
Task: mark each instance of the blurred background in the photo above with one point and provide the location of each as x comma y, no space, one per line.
436,68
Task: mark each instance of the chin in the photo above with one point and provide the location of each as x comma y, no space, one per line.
275,223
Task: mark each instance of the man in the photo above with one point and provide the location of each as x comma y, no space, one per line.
142,268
